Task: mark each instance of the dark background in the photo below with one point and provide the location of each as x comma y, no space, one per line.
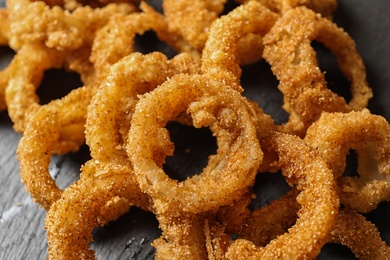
22,234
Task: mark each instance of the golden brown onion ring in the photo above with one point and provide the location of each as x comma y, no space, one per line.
358,234
324,7
193,31
109,115
116,39
334,134
55,128
219,58
32,22
267,223
102,194
182,237
230,117
302,166
293,61
351,229
26,72
74,4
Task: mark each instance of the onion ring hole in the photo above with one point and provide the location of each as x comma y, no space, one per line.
264,90
192,148
336,80
57,83
149,42
137,227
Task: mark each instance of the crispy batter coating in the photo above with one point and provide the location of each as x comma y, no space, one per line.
4,27
324,7
334,134
103,193
220,57
26,71
32,22
57,127
111,110
229,172
360,235
293,61
116,39
128,99
194,30
303,167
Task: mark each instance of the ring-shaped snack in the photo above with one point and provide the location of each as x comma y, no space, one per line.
193,32
324,7
102,194
335,134
220,56
111,109
31,22
359,235
116,39
287,48
229,173
351,228
26,72
304,168
55,128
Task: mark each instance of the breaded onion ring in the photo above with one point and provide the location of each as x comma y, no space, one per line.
32,22
26,72
358,234
220,57
230,117
324,7
303,167
267,223
351,229
116,39
334,134
55,128
293,61
112,108
89,203
193,31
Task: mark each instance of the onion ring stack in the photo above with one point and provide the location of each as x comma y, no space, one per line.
128,98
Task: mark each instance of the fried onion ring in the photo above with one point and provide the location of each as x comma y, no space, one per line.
116,39
303,167
26,72
195,30
229,117
352,230
31,22
87,204
334,134
324,7
220,59
55,128
293,61
111,110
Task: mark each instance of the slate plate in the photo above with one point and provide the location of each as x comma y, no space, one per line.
22,234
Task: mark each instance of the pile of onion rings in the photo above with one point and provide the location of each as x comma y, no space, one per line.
127,99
